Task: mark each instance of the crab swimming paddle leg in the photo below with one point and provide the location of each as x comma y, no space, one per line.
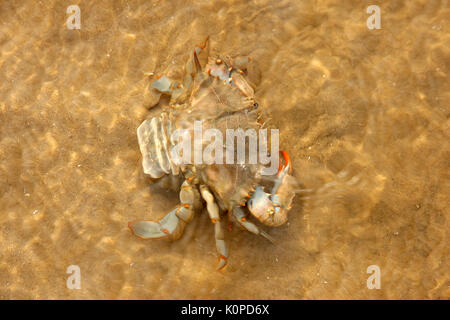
172,225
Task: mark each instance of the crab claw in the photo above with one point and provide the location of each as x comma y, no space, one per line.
272,208
286,167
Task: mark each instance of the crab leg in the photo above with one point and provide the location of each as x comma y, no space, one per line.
221,246
163,84
172,225
213,211
241,218
193,65
194,60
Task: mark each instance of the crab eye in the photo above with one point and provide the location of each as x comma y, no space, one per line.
255,105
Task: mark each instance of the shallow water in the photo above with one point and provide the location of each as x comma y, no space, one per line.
363,114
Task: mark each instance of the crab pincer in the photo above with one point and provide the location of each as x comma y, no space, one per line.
271,208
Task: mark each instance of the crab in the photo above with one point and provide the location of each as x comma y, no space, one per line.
218,94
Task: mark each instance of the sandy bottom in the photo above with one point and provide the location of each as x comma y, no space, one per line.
363,113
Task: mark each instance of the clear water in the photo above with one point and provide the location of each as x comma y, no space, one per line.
363,114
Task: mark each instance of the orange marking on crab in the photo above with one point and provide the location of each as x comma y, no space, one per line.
243,219
166,231
186,205
213,220
223,267
196,61
287,162
203,46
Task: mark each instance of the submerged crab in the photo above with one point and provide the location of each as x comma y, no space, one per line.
219,95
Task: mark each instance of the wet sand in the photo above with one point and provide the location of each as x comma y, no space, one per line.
363,114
